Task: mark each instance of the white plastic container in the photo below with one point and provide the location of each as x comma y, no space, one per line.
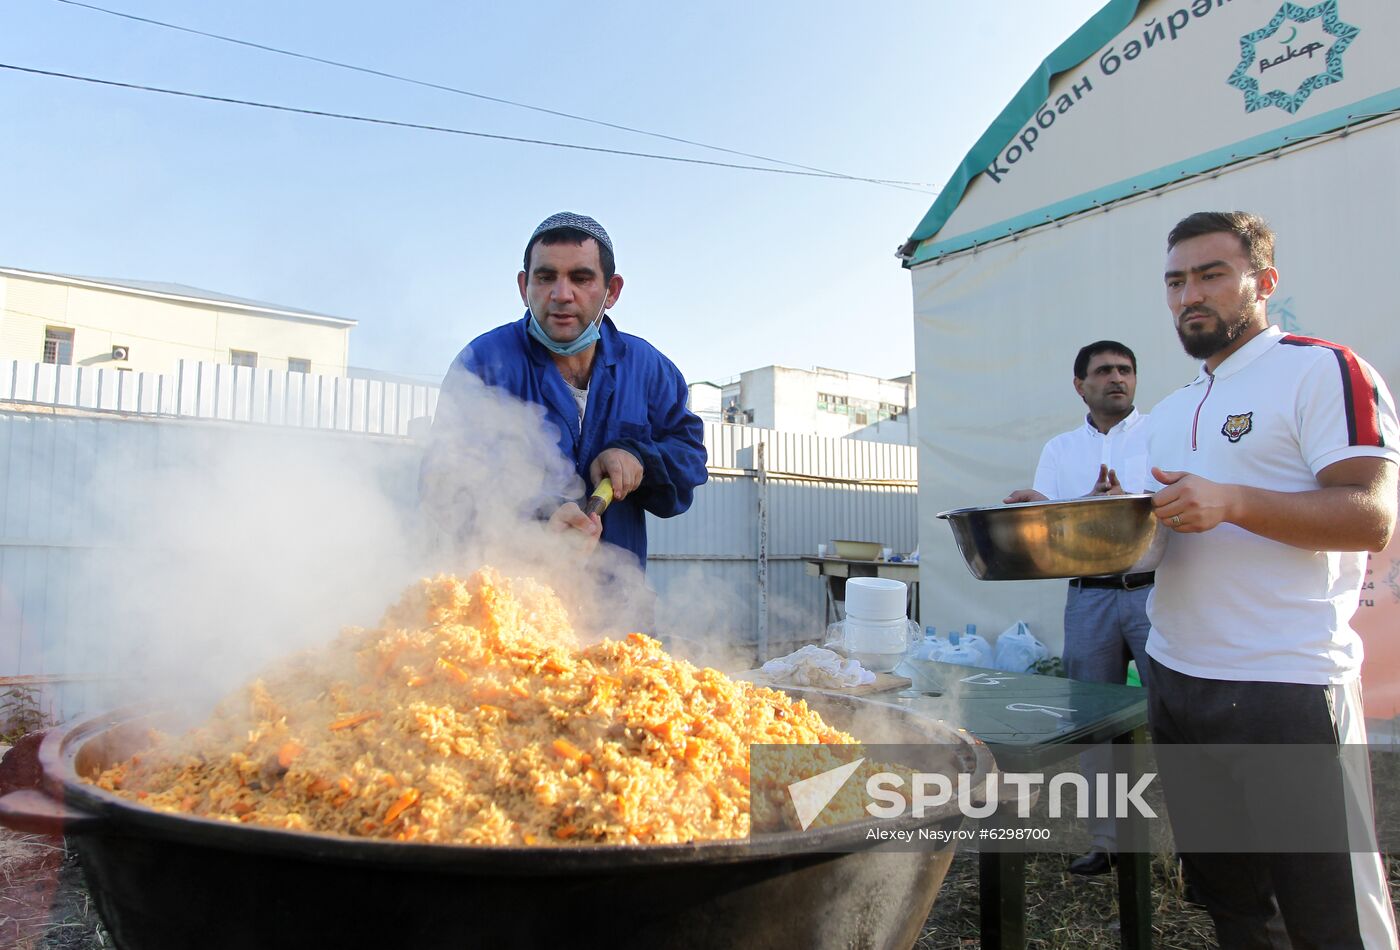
879,646
876,631
876,599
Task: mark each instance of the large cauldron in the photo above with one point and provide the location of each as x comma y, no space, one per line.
172,881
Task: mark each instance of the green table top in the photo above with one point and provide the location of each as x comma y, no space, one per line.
1023,716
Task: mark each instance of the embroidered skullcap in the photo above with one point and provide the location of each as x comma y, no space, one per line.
582,222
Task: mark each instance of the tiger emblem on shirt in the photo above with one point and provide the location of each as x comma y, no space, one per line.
1236,427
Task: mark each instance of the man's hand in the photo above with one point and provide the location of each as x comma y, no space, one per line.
1352,509
1023,494
621,466
1192,504
581,529
1107,483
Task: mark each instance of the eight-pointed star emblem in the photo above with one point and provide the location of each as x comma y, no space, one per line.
1291,102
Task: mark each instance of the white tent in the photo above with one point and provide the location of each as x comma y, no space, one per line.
1052,234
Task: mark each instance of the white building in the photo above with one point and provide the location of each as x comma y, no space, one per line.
150,327
825,402
706,401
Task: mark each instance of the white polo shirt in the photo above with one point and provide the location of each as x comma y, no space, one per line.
1069,463
1232,605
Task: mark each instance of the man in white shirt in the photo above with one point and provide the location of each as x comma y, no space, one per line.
1279,467
1105,617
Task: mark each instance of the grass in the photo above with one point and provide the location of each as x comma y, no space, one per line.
44,904
1068,912
1064,910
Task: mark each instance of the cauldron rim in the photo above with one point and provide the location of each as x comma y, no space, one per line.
101,812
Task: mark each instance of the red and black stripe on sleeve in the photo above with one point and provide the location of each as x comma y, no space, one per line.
1358,391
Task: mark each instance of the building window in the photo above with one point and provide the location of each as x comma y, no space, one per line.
862,419
296,364
243,358
58,346
890,410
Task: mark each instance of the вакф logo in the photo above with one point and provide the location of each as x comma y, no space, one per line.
1305,59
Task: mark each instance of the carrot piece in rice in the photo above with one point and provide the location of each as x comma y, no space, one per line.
407,799
288,753
355,720
566,749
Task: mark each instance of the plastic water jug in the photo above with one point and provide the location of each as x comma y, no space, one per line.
959,653
930,647
978,645
1017,650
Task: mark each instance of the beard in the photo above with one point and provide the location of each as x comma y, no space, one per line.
1206,343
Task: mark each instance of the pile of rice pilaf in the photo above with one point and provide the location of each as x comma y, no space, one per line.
472,715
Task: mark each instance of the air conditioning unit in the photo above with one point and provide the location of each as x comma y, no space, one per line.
121,352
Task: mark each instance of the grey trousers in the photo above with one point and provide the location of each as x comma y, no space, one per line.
1104,629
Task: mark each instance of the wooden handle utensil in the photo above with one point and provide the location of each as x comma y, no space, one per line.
600,499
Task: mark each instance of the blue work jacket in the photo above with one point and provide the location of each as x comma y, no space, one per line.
636,401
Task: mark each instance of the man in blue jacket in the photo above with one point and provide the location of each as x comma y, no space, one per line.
618,404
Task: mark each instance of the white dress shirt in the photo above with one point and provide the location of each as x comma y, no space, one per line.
1069,463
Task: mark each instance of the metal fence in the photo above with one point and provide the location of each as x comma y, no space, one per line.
220,391
771,499
94,489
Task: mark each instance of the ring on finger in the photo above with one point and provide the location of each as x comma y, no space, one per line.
1176,521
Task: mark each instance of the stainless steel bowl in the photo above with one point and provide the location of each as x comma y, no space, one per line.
1078,537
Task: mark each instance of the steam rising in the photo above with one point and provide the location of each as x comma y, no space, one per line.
237,545
206,552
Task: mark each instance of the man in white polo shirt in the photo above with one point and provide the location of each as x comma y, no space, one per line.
1105,617
1279,467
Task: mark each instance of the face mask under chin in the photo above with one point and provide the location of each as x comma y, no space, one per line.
578,344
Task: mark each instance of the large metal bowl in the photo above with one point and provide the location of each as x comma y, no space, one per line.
1078,537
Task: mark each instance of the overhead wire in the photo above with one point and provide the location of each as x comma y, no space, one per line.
383,74
397,123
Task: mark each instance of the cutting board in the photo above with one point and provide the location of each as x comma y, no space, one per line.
883,682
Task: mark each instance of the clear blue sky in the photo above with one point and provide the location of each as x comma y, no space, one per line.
418,235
